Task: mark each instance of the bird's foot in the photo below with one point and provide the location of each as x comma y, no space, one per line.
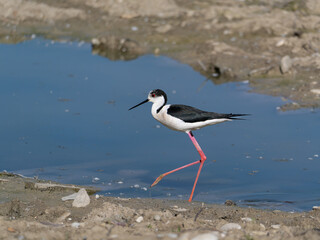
157,180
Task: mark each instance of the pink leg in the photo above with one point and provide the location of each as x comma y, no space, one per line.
177,169
196,144
203,158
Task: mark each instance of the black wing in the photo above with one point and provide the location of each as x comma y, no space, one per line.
191,114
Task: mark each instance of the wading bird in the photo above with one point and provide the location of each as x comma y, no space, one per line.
184,119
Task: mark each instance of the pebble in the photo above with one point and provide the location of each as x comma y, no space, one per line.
316,208
246,219
275,226
280,42
315,91
75,225
164,28
97,196
82,199
180,209
286,64
230,226
95,179
134,28
207,236
63,217
10,229
262,227
156,51
139,219
230,203
157,218
95,41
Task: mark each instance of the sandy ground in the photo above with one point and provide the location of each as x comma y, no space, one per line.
27,212
274,44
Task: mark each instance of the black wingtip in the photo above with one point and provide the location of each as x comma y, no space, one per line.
236,116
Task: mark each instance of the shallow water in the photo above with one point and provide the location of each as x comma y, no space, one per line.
65,117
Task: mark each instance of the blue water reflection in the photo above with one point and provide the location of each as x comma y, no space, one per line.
65,117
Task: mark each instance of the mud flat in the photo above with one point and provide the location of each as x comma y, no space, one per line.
31,212
274,44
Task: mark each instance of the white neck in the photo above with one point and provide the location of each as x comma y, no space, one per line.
156,105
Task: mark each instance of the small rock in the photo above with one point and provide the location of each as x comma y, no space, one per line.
180,209
315,91
286,64
134,28
316,208
230,203
280,42
139,219
156,51
164,28
96,179
230,226
10,229
275,226
82,199
63,217
262,227
246,219
157,218
207,236
75,225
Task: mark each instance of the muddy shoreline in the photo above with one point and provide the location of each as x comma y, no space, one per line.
272,44
29,212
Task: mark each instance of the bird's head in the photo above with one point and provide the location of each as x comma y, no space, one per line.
156,95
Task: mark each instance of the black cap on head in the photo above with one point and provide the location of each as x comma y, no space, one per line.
159,92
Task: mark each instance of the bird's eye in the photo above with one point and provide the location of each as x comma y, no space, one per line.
153,95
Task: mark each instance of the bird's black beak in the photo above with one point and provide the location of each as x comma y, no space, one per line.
147,100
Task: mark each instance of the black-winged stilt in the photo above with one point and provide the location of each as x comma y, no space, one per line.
185,119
